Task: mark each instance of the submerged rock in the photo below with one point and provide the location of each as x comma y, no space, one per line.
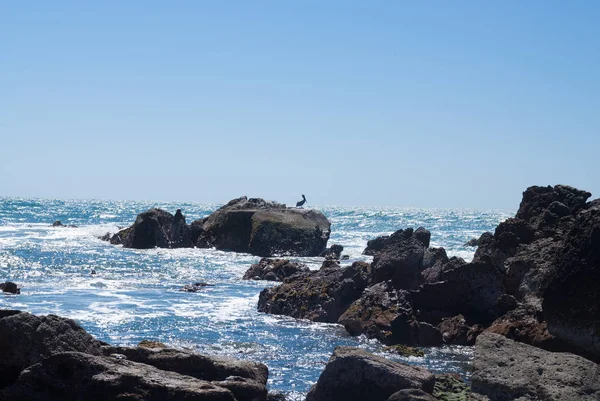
26,339
274,269
355,375
404,350
507,370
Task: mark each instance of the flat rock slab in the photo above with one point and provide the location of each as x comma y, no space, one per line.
506,370
79,376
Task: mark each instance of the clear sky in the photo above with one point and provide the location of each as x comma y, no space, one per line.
383,103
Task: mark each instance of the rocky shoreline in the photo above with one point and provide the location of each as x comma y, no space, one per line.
528,302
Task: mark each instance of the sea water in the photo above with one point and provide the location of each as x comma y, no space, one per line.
135,293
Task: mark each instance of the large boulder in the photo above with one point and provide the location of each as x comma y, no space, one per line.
355,375
506,370
274,269
155,228
26,339
80,376
320,296
571,291
264,228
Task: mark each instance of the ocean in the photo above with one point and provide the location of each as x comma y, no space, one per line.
135,293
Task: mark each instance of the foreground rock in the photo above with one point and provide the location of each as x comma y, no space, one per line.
507,370
52,358
79,376
353,374
274,269
26,339
10,287
263,228
155,228
320,296
195,287
253,226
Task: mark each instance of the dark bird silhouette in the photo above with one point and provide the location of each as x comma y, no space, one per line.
302,202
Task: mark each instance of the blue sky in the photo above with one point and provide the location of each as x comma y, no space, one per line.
381,103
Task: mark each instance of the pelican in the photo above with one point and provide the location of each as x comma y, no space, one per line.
302,202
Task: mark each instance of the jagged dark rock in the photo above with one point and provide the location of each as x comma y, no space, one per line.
246,380
195,287
470,289
507,370
155,228
274,269
450,387
571,295
549,258
10,287
106,237
320,296
355,375
26,339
